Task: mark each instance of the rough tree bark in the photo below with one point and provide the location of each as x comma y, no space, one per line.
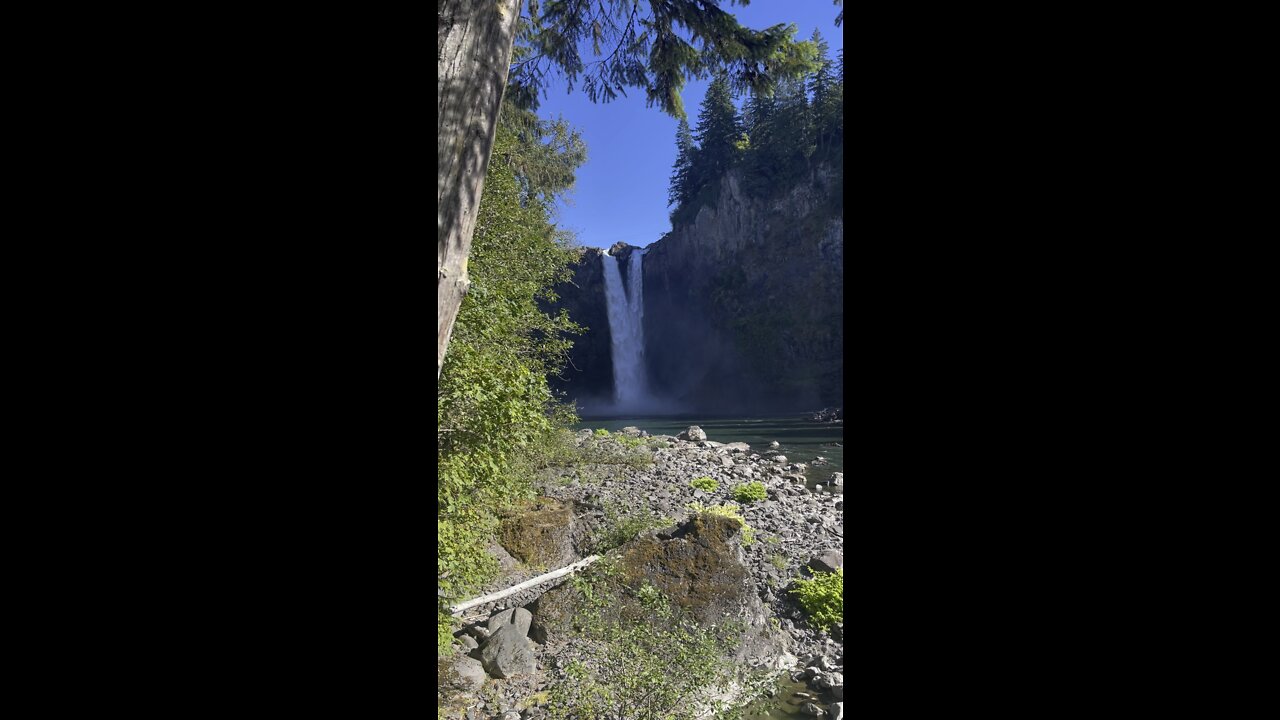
473,57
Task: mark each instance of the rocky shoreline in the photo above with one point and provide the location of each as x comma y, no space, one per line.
797,529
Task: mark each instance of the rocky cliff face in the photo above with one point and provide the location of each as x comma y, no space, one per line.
743,308
589,374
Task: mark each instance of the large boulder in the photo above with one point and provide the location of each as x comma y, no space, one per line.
698,567
541,535
508,652
460,674
693,434
829,561
519,617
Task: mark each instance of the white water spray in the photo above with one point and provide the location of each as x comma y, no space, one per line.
626,326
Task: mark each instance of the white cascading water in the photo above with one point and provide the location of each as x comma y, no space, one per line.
626,326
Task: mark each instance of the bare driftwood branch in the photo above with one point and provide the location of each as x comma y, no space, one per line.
457,609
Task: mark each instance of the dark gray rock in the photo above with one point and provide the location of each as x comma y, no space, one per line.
468,674
499,619
508,653
518,617
829,561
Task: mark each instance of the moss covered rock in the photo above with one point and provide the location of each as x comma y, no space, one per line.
540,535
695,572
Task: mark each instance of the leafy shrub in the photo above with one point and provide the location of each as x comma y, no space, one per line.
649,596
704,483
631,442
622,525
750,492
601,432
822,598
632,670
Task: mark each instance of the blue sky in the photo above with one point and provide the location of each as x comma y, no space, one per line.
621,191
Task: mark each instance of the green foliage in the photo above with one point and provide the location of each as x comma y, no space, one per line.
681,189
750,492
822,598
778,561
613,449
650,596
612,45
632,442
601,432
444,633
545,155
717,134
704,483
636,670
622,524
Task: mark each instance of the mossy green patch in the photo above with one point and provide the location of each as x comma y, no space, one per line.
539,535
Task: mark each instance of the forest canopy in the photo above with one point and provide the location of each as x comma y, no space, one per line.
777,138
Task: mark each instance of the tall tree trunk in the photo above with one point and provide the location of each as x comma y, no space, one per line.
474,55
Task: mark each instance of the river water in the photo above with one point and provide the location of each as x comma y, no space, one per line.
801,440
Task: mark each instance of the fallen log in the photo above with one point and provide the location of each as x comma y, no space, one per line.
457,609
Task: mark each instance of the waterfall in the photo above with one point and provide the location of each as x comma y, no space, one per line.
626,326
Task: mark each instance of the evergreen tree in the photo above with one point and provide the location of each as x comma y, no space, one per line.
681,191
761,161
718,135
757,115
840,93
795,145
825,101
